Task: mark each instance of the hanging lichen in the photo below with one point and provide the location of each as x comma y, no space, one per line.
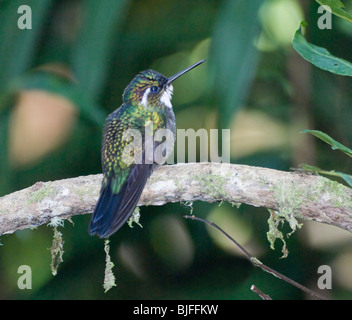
274,233
57,251
109,279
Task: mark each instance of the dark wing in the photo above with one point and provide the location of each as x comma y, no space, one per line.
113,210
123,183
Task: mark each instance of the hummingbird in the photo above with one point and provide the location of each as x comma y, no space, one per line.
147,99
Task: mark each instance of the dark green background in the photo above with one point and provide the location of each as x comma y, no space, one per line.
251,73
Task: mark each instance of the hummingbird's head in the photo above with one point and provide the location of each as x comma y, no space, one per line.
151,88
148,88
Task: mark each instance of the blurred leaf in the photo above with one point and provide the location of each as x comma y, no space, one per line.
336,7
320,57
335,145
106,46
92,51
67,158
234,55
5,173
19,44
40,123
309,168
346,177
45,79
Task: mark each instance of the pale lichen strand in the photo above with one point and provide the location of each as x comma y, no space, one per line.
56,222
109,279
134,218
57,251
291,199
274,232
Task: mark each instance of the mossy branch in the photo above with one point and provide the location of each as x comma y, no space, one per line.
291,194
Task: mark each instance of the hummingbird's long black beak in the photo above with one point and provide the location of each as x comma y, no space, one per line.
179,74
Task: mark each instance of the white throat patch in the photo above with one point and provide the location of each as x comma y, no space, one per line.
165,98
167,95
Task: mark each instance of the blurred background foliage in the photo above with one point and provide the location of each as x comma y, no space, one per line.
60,79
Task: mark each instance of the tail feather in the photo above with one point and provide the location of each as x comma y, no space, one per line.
105,210
113,210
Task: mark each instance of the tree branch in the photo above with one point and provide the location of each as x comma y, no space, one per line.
291,194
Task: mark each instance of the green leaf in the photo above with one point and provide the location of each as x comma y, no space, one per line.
320,57
234,54
336,7
335,145
50,82
309,168
6,175
18,46
92,51
346,177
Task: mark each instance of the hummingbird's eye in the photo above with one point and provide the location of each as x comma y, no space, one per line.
154,89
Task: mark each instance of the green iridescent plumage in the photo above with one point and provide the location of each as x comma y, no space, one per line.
146,102
131,115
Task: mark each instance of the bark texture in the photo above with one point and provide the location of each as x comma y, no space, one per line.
292,195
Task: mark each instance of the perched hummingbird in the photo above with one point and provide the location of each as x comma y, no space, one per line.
147,99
